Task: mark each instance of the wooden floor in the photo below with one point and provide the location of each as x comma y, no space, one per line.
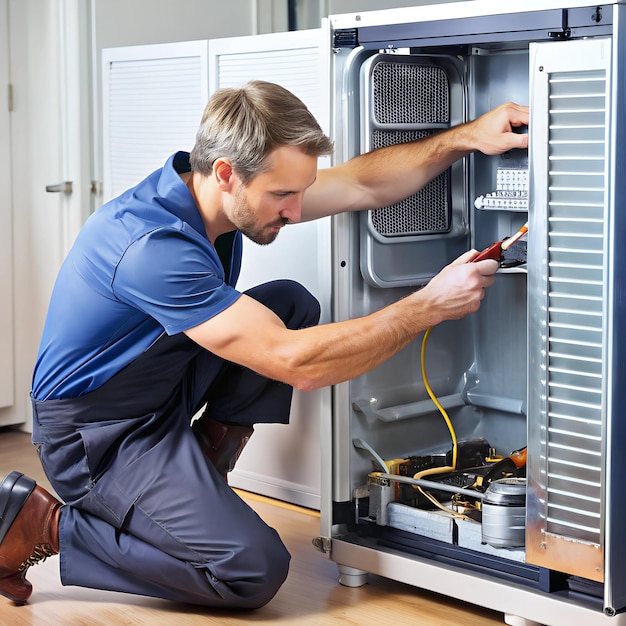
310,596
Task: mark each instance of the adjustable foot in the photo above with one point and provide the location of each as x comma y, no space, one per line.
352,577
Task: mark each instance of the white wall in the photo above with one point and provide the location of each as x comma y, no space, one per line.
133,22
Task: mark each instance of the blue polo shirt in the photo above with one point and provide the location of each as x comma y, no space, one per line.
141,265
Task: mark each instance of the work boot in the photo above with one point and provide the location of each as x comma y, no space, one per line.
222,443
29,532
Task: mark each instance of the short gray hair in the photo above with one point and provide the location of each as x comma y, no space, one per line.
246,124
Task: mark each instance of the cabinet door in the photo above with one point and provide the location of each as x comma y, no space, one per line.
153,98
569,317
283,461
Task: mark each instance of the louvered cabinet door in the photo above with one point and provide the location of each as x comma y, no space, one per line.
153,98
291,472
568,302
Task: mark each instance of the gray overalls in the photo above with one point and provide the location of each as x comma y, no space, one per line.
146,512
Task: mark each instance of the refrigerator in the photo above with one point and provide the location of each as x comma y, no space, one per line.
485,460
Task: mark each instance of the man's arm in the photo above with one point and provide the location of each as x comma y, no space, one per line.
250,334
388,175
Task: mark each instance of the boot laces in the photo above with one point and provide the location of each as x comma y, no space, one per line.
40,553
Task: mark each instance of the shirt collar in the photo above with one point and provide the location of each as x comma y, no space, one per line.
175,195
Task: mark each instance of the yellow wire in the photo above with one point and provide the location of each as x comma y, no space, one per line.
438,404
438,470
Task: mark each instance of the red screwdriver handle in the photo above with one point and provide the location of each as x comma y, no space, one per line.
494,251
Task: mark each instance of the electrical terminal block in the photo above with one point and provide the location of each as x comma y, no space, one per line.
511,192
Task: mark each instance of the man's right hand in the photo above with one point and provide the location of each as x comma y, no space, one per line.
460,287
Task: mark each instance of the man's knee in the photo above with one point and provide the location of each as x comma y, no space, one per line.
296,306
308,307
253,576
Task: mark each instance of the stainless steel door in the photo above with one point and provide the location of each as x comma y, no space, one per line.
568,320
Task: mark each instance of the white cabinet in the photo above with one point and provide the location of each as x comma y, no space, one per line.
283,461
153,97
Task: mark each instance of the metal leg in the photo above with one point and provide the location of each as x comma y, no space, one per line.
351,577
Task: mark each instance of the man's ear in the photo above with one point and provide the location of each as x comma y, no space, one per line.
224,174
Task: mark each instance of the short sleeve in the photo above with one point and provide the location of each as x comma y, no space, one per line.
175,277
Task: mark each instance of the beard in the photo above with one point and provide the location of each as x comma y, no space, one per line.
246,221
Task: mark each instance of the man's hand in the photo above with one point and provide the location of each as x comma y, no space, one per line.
459,288
492,133
388,175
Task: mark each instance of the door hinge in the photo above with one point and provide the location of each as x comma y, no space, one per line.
10,97
323,544
566,31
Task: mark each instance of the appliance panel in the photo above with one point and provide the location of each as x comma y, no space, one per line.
570,90
481,24
404,98
615,529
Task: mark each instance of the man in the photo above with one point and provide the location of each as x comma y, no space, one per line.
146,328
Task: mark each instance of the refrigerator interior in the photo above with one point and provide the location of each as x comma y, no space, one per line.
476,367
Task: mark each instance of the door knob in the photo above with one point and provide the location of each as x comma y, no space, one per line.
65,187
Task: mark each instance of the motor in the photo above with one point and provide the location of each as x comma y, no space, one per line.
504,513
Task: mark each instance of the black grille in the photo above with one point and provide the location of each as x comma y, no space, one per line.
426,212
410,94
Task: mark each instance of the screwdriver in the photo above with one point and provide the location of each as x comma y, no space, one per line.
494,251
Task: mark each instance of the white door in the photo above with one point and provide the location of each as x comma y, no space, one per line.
49,147
284,461
140,131
6,232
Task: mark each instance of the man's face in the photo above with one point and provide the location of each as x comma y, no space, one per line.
274,198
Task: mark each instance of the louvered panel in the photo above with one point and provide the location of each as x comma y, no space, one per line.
296,70
154,101
155,108
293,60
574,377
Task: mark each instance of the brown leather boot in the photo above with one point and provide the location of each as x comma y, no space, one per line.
222,443
29,532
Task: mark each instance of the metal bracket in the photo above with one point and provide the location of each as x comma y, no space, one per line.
323,544
346,38
596,16
566,31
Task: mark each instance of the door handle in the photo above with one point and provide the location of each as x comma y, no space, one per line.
65,187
